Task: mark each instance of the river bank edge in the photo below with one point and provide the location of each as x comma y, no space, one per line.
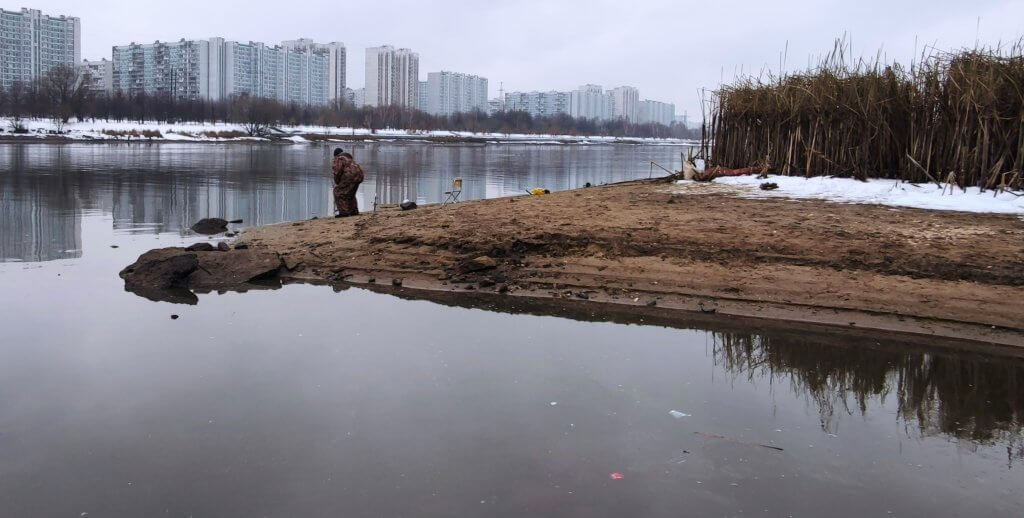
650,252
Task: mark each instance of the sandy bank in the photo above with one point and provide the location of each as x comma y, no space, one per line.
914,271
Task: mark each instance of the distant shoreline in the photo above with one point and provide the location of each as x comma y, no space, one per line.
320,138
40,130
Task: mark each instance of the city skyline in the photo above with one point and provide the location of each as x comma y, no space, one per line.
301,71
657,46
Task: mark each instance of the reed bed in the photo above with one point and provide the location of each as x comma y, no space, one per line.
953,117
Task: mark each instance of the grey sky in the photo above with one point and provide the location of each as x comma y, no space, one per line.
668,49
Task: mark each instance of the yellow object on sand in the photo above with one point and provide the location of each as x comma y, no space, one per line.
539,192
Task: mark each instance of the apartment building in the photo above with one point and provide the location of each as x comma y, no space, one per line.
657,112
590,102
31,43
539,104
100,75
495,105
392,77
180,69
422,105
449,93
300,71
625,103
337,63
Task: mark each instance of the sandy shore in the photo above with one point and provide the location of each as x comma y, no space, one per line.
707,252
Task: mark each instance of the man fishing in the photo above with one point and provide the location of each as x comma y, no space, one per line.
347,177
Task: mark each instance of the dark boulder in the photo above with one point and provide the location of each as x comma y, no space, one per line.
210,226
162,275
223,247
169,274
232,269
408,205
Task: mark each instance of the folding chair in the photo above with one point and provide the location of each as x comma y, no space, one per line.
453,195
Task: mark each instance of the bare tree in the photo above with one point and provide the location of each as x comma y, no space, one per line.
258,115
65,89
17,98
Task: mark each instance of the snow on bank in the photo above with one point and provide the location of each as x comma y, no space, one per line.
892,193
184,132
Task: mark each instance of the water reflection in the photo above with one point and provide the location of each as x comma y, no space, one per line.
154,188
975,398
40,218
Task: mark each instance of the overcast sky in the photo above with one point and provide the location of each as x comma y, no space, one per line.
667,48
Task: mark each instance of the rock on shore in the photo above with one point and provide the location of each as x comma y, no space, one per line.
172,274
210,226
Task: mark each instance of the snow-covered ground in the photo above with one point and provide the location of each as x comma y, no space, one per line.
94,130
878,192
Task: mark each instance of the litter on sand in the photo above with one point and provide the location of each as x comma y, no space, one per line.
616,476
678,415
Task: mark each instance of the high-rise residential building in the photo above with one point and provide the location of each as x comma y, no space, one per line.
656,112
301,71
625,103
359,97
422,105
392,77
449,93
180,69
495,105
100,75
538,104
591,102
337,59
31,43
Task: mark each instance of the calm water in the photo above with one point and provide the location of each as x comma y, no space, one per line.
310,402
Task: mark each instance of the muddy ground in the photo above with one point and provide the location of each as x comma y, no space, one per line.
701,251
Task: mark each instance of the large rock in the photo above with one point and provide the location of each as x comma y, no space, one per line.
231,269
162,275
210,226
169,274
161,269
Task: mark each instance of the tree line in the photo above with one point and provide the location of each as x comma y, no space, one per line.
64,93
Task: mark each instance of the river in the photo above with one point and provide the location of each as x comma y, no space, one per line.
311,401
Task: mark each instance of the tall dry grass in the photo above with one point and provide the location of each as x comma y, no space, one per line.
952,117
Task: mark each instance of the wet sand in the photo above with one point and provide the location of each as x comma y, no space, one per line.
642,246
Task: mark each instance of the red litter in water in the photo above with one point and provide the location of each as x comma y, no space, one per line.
617,476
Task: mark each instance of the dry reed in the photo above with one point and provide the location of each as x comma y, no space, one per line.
956,117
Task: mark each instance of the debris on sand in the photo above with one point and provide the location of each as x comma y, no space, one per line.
200,247
408,205
477,264
769,186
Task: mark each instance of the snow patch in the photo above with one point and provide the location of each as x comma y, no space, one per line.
893,193
191,131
